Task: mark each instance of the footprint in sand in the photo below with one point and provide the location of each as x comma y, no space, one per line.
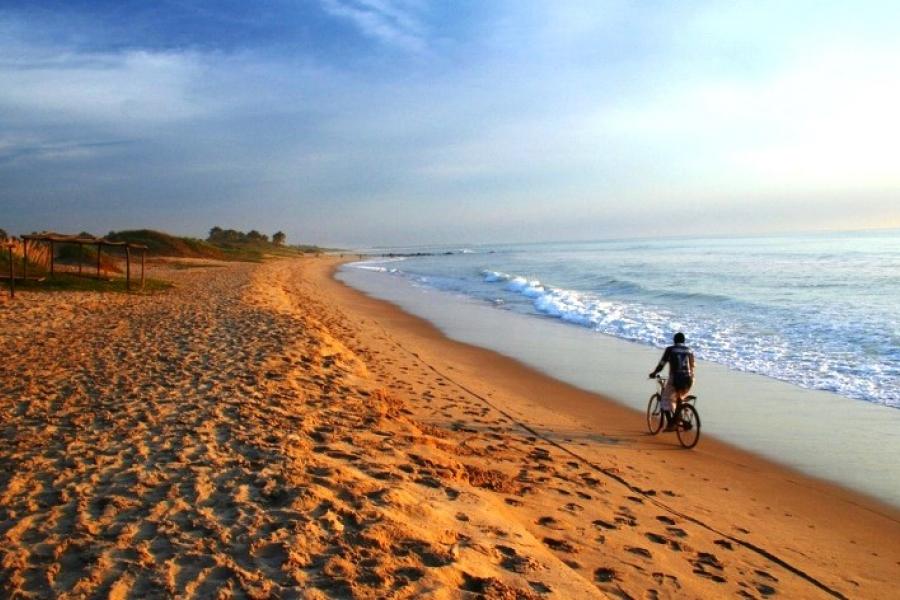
626,519
559,545
600,523
539,453
707,560
664,579
514,562
656,538
639,551
665,519
764,589
540,587
549,522
409,573
590,480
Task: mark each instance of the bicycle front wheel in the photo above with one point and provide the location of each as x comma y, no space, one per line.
688,425
654,414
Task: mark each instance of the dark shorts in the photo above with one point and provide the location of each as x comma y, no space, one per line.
682,382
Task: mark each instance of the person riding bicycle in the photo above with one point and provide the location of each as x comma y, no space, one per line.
680,359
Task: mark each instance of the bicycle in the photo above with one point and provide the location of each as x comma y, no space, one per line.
687,419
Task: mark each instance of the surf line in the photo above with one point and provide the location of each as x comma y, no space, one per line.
619,479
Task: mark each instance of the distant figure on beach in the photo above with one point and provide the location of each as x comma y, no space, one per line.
680,359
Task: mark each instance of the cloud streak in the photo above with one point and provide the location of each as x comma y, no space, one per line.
132,87
391,22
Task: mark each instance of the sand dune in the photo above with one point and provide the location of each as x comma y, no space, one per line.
256,432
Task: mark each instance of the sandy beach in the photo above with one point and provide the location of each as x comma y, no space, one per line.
262,430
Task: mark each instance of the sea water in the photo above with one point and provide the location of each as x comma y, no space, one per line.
820,311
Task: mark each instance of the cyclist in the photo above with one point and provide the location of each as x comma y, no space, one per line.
680,359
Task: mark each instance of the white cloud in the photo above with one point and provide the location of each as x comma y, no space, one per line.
389,21
32,147
137,86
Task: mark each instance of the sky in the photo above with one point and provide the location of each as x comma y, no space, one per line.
388,122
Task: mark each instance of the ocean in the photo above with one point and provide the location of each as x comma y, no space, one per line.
820,311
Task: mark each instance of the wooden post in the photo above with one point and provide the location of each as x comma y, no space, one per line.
24,259
99,248
51,258
127,268
143,253
12,274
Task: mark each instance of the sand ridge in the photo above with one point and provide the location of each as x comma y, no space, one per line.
249,435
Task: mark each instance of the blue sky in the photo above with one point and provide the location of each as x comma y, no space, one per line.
405,121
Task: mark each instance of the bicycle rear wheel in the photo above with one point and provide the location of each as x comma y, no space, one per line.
688,425
654,414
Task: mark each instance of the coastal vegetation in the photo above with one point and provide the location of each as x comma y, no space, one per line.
164,244
220,245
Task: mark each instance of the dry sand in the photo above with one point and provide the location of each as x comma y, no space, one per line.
264,431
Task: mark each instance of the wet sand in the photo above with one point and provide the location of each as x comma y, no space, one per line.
266,431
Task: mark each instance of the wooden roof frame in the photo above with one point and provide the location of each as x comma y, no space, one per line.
9,245
49,236
52,238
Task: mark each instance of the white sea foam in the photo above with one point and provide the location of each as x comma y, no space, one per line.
375,264
494,276
376,268
716,339
530,288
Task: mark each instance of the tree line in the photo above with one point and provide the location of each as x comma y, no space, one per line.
233,236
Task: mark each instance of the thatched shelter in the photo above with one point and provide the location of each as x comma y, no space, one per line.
53,239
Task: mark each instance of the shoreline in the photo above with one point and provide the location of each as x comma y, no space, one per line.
586,402
763,488
818,434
